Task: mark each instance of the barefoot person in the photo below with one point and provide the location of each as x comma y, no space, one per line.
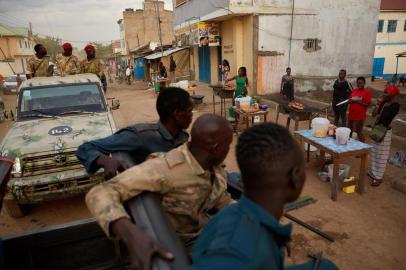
360,100
248,234
385,110
190,178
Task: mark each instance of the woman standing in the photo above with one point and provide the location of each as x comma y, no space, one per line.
360,100
241,83
225,70
342,91
288,86
385,110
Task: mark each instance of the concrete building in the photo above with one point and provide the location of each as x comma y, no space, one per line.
139,28
17,47
315,38
390,40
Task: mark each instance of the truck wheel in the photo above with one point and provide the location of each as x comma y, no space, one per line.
12,207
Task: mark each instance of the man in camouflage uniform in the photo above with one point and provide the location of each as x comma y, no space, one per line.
190,178
67,63
91,64
38,64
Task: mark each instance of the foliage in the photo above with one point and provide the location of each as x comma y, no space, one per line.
102,51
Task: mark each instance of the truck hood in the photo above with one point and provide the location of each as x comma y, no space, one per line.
56,134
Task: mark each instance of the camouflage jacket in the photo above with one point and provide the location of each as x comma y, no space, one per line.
38,67
94,66
67,65
189,192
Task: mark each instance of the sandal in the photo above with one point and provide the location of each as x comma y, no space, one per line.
376,182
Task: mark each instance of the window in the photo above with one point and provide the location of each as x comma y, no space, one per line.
25,44
404,27
380,26
311,45
21,45
392,26
179,2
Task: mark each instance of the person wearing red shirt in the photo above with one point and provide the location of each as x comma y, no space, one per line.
360,99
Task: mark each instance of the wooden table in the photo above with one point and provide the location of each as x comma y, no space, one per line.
245,117
338,152
224,94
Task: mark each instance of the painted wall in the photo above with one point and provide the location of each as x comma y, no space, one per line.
390,44
214,78
332,22
196,9
18,55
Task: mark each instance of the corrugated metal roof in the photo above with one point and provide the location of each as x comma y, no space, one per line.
393,5
165,53
9,31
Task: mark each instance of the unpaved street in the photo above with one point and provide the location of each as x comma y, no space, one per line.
370,230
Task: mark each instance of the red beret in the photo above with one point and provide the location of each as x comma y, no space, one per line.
67,46
392,90
89,48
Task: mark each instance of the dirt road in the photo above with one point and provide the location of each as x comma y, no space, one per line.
370,230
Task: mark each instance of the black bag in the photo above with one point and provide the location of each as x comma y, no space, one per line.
378,133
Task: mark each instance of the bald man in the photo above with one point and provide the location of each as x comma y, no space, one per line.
190,178
248,234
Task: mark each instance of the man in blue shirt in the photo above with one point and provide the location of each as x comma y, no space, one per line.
174,107
248,235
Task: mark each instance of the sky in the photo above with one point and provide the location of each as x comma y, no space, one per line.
75,21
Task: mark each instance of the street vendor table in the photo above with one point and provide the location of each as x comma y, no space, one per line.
244,117
307,114
223,93
338,152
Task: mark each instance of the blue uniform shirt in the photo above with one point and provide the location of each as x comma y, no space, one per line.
140,140
245,236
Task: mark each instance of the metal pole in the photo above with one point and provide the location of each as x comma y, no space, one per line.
159,26
310,227
397,65
291,30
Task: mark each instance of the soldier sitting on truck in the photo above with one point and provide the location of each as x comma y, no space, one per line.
191,180
174,108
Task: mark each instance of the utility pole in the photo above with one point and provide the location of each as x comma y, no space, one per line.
159,25
291,30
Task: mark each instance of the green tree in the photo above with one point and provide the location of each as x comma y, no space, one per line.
102,51
52,44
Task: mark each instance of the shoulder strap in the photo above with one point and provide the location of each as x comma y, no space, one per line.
36,68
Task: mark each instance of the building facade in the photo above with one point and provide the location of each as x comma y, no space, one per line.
17,46
139,28
390,40
315,38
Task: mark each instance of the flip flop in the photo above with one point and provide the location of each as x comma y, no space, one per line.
376,182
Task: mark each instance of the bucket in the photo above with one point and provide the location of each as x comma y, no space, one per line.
342,135
320,127
343,171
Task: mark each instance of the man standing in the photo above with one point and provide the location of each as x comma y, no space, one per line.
172,70
19,80
174,108
342,91
38,65
67,64
128,75
190,178
91,64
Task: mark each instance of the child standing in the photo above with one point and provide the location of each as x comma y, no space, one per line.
360,99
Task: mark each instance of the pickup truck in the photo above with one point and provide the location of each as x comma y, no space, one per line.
54,116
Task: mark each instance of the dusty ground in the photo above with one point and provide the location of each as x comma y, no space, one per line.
370,230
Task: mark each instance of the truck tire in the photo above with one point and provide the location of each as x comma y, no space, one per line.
12,207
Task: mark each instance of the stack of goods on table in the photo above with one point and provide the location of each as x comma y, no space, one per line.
296,105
